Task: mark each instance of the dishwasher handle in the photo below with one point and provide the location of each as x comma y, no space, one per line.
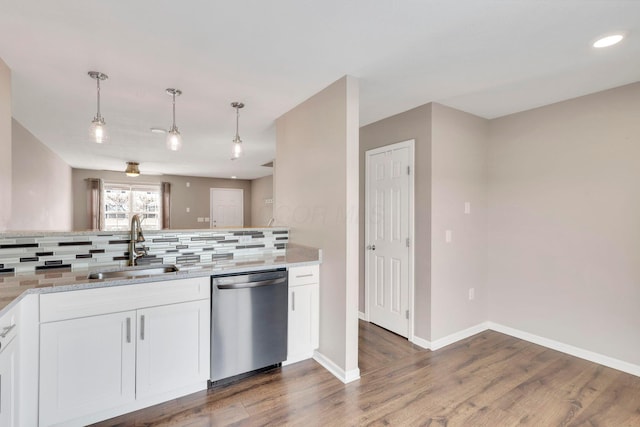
258,284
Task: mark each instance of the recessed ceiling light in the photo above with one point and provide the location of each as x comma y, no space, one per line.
233,177
608,40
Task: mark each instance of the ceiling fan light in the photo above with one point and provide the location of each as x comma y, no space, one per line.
132,169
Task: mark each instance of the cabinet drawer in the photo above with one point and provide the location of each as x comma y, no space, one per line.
305,275
92,302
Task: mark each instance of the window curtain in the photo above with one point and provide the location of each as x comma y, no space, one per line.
95,208
165,190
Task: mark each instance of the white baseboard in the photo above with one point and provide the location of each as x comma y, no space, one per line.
601,359
460,335
291,359
363,316
344,376
420,342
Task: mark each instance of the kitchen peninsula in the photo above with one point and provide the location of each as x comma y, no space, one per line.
47,302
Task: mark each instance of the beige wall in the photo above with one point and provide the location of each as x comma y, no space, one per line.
5,145
458,176
317,196
41,190
195,197
261,192
413,124
564,222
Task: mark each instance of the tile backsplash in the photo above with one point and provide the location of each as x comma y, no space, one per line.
22,253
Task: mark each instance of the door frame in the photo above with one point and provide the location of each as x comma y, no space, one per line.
211,190
410,144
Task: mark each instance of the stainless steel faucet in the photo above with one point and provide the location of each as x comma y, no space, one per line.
136,237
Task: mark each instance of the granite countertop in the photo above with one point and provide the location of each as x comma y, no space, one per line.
14,287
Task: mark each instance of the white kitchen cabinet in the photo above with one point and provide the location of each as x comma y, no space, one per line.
8,373
303,328
87,365
100,366
173,347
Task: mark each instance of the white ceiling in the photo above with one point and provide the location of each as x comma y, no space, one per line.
486,57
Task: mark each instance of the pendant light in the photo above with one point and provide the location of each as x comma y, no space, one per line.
174,139
237,142
132,169
98,129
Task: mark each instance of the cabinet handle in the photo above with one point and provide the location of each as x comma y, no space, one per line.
6,330
293,301
142,328
304,275
128,329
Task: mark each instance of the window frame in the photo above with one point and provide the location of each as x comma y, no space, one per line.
131,188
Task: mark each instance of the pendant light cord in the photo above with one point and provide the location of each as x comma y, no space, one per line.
237,120
174,111
98,83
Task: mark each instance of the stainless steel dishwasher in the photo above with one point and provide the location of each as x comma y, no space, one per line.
249,314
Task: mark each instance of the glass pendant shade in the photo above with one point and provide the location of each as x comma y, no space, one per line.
237,148
132,169
174,140
98,130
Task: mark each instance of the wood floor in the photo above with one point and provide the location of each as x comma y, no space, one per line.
489,379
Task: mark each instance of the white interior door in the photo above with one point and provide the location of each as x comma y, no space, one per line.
227,207
389,201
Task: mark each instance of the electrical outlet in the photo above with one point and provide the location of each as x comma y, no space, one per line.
472,294
188,210
447,236
467,208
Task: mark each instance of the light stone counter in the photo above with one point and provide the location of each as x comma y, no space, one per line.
14,286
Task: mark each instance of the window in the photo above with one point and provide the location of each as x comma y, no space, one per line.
122,201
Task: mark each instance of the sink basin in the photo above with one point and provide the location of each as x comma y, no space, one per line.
134,272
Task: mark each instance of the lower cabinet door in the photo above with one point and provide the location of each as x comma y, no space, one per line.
86,365
8,396
173,347
303,322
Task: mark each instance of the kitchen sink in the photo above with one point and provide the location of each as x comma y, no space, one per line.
134,272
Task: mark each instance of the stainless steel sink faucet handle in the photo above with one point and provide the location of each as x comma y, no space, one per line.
140,237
